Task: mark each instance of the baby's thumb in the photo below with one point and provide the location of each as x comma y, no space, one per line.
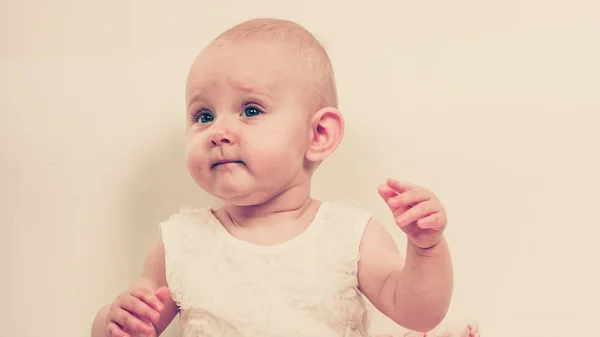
163,294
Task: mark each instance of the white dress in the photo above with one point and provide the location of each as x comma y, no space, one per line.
306,286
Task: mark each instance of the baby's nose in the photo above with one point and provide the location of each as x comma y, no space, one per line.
220,137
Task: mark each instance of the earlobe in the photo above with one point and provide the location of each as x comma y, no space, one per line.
327,133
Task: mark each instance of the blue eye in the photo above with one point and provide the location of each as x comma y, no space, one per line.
204,117
252,111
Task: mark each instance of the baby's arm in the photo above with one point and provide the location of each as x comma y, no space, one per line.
415,293
150,281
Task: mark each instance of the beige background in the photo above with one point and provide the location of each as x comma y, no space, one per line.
492,105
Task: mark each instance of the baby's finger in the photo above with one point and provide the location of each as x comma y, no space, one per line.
113,330
400,186
148,297
421,210
409,198
430,222
163,294
135,306
386,192
131,323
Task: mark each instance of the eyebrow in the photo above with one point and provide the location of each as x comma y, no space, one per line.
268,94
193,99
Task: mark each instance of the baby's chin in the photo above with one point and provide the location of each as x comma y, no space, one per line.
237,194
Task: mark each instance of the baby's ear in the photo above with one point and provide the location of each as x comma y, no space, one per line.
327,131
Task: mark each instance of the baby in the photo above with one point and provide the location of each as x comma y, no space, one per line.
272,261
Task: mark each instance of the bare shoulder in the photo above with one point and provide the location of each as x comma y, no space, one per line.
379,258
154,266
377,237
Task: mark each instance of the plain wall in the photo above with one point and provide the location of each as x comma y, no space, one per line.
492,105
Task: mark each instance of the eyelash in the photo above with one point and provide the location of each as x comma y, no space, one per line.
196,117
198,114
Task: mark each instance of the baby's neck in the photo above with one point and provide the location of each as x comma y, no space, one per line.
286,207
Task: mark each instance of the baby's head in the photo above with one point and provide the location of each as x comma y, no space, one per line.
261,110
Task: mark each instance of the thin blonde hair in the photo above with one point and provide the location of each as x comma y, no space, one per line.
302,44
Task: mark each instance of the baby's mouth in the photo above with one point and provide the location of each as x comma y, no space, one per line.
226,162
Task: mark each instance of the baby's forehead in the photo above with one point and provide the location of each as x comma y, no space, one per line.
249,67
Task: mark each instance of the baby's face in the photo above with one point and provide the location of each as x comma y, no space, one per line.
248,125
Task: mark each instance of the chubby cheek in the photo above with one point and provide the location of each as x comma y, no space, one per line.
276,157
197,162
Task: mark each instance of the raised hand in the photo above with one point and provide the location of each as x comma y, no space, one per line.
417,211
